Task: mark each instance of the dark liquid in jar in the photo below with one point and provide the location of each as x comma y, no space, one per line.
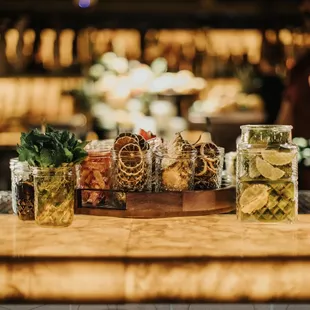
25,200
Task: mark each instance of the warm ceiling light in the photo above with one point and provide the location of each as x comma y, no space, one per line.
85,3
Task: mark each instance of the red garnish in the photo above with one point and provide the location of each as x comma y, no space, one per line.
147,135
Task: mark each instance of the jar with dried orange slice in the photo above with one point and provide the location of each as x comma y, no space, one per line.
132,163
208,166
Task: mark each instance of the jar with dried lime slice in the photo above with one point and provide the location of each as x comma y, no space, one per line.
267,174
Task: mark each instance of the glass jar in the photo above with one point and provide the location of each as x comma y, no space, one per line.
209,167
230,164
54,196
175,172
267,174
95,173
22,190
132,170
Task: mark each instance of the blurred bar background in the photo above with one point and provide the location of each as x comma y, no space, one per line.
100,66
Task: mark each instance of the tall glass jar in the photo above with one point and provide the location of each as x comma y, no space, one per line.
54,196
95,173
131,172
22,190
175,172
267,174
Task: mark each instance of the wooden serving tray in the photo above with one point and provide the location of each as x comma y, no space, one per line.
167,204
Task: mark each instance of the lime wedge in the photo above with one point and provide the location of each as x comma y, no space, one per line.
277,158
267,170
254,198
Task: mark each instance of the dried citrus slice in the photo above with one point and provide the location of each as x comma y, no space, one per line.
277,158
142,143
199,149
200,166
210,149
130,156
267,170
132,171
254,198
123,139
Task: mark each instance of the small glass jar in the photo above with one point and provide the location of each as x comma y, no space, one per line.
175,172
230,164
22,190
154,143
95,173
209,169
267,174
132,170
54,196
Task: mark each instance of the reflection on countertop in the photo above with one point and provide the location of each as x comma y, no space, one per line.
191,259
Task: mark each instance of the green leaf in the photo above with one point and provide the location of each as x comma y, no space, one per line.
69,155
46,158
52,149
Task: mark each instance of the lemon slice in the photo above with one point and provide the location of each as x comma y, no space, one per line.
277,158
254,198
267,170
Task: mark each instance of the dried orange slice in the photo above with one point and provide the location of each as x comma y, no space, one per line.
210,149
130,156
142,143
198,149
124,139
200,166
132,171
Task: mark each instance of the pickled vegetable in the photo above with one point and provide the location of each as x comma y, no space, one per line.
54,201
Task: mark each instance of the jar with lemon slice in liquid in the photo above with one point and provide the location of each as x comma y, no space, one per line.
267,174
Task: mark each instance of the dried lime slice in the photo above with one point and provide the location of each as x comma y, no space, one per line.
277,158
267,170
254,198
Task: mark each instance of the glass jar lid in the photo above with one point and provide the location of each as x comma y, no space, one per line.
15,163
266,134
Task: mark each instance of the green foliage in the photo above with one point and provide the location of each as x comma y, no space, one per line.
55,148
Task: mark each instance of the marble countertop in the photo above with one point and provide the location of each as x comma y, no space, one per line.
192,259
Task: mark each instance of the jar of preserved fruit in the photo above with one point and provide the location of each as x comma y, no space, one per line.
175,171
22,189
95,173
267,174
54,196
